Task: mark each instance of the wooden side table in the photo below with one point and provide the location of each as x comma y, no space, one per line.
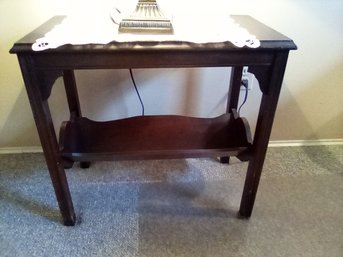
151,137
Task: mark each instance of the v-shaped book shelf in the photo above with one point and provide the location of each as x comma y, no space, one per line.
154,137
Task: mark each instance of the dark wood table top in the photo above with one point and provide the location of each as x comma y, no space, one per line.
269,38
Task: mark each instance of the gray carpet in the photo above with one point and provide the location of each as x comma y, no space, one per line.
177,207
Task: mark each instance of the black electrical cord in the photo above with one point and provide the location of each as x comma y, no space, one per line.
139,96
245,85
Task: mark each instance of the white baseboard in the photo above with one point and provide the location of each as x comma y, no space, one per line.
275,143
26,149
284,143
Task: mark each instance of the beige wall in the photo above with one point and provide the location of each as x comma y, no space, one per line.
311,103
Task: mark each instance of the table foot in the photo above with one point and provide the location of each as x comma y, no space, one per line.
85,165
67,164
225,159
242,214
70,222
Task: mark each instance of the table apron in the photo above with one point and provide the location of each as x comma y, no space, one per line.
124,60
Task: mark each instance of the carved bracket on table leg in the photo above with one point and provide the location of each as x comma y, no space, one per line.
262,74
46,80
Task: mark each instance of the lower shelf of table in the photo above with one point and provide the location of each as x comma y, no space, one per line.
154,137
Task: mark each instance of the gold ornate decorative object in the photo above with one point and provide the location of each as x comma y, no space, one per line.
147,18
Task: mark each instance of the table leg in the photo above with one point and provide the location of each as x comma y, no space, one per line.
74,105
235,87
262,134
42,116
72,95
233,97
